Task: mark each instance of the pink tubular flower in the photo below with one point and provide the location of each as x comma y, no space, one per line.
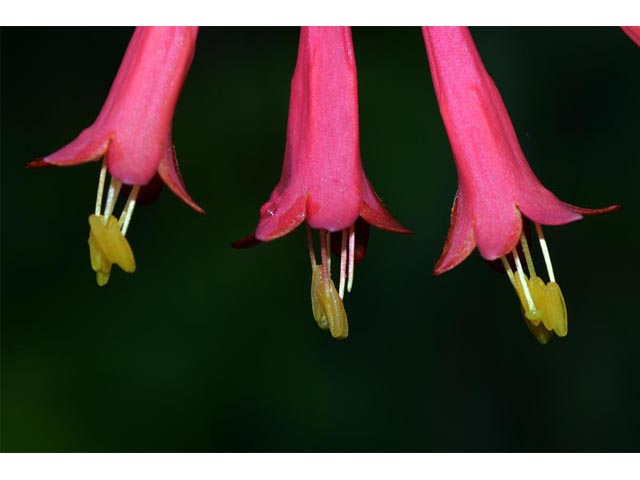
633,33
133,134
322,180
496,185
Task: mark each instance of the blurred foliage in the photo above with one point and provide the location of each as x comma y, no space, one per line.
206,348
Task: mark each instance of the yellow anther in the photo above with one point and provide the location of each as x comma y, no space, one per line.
531,307
534,322
555,310
99,262
531,311
543,306
328,309
107,245
539,332
536,287
316,305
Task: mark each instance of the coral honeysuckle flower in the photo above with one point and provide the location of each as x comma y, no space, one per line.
133,134
496,185
633,33
322,180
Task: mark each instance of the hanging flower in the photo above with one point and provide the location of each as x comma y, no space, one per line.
496,185
133,134
322,180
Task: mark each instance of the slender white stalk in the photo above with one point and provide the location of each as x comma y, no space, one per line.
507,268
325,254
112,195
312,253
328,262
527,256
127,212
545,253
343,263
351,257
523,281
101,180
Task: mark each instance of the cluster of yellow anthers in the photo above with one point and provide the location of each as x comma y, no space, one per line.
543,306
107,242
326,300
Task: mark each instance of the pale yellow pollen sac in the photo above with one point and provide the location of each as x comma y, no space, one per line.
537,295
328,309
538,331
555,310
543,307
326,300
99,262
107,242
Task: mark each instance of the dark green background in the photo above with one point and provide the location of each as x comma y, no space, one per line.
206,348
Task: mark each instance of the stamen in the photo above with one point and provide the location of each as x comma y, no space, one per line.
328,309
312,253
328,262
114,190
351,256
101,180
316,298
523,282
555,309
545,253
343,263
127,211
507,268
324,255
527,256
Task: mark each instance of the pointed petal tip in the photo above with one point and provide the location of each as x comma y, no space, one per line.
169,172
189,201
197,207
379,217
446,263
461,240
373,211
38,163
439,268
397,227
246,242
394,228
594,211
